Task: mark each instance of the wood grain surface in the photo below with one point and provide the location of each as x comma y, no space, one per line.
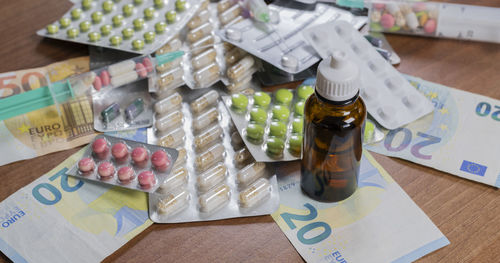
468,213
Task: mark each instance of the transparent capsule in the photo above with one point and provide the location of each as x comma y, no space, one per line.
239,85
177,179
168,104
203,140
199,19
171,79
212,177
234,21
170,121
250,173
234,55
181,158
204,101
202,45
255,193
172,139
239,69
204,4
229,14
199,32
173,202
121,67
169,65
202,121
172,45
204,59
207,75
125,78
242,156
223,5
212,155
214,199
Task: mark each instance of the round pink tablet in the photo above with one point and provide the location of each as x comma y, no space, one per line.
119,151
160,160
140,156
387,21
148,64
141,70
106,169
100,148
105,78
430,26
125,174
86,165
97,83
146,179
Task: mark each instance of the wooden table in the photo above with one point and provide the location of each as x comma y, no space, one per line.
468,213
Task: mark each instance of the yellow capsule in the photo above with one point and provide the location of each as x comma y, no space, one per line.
255,193
168,104
240,69
223,5
172,45
250,173
234,55
170,80
200,18
172,139
199,32
173,202
211,177
169,122
230,14
169,65
212,155
204,59
207,75
204,101
203,140
239,85
204,4
242,156
181,158
202,121
202,45
214,199
178,179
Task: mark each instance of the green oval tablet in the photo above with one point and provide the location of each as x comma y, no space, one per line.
127,33
52,29
160,27
180,5
258,115
159,3
304,91
64,22
96,17
149,13
86,4
106,29
277,129
283,96
117,20
138,44
299,108
280,113
107,6
254,132
275,146
128,9
72,32
85,26
261,99
76,13
297,125
94,36
149,36
115,40
239,102
295,144
138,23
171,16
138,2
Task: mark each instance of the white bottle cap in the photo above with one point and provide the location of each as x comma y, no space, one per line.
338,77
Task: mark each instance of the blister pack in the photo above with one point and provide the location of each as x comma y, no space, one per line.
130,25
215,176
125,163
389,98
281,43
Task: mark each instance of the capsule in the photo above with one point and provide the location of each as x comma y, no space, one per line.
212,177
202,121
242,156
239,69
125,78
234,55
134,109
208,158
199,32
214,199
178,179
202,45
203,140
173,139
207,74
237,86
170,121
110,113
174,45
170,79
250,173
173,202
121,67
223,5
255,193
168,104
204,59
169,65
204,4
181,158
204,101
199,19
229,14
234,21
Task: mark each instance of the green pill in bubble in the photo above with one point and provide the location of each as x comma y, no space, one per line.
138,23
304,91
107,6
72,32
115,40
261,99
277,129
52,29
275,146
85,26
86,4
149,13
160,27
171,16
149,36
180,5
258,115
96,17
94,36
117,20
76,13
159,3
297,125
299,108
138,2
283,96
239,102
138,44
128,9
295,144
64,22
127,33
254,132
106,29
280,113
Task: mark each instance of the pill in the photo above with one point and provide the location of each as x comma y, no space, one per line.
239,85
97,84
199,32
230,14
76,13
297,125
121,67
280,113
72,32
107,6
127,33
125,174
223,5
147,64
242,156
138,44
173,139
277,129
207,75
283,96
170,121
134,109
234,21
149,36
96,17
106,170
110,113
167,80
239,102
86,165
211,177
171,16
202,45
234,55
298,109
84,26
174,202
181,157
258,115
411,20
64,22
100,148
146,179
204,59
160,27
86,4
173,45
180,5
295,144
138,23
239,69
169,65
204,4
138,2
289,61
199,19
168,104
149,13
236,140
52,28
120,80
106,29
128,9
105,78
254,132
214,199
178,179
119,151
250,173
140,156
262,99
206,138
211,156
141,70
94,36
255,193
160,160
159,3
204,101
275,146
205,119
304,91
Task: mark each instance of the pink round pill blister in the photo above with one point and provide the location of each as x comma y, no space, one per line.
160,160
125,174
146,179
140,156
86,165
120,152
100,148
106,170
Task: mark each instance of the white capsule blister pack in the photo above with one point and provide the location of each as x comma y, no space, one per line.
389,98
280,42
125,163
215,176
130,25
